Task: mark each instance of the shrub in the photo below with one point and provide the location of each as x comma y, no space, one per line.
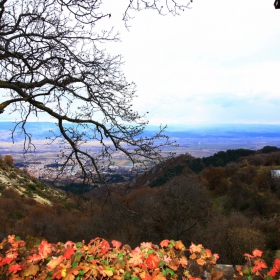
9,160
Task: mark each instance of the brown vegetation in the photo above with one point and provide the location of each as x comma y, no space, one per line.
231,209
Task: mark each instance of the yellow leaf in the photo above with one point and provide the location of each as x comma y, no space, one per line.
193,256
201,262
63,272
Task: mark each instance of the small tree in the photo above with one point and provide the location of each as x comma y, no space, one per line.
52,61
9,160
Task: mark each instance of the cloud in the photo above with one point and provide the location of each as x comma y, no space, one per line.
219,62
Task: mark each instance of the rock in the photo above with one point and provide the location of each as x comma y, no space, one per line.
227,270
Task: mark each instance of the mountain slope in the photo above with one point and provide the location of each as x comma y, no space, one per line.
26,185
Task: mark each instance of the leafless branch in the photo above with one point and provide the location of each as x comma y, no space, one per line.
52,61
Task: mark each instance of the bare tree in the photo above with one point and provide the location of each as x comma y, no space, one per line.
52,61
163,7
181,207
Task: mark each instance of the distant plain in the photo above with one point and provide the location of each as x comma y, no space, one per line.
197,140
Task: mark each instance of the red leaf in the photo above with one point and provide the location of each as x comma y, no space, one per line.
276,265
152,261
259,265
272,272
68,253
116,244
10,257
14,268
105,246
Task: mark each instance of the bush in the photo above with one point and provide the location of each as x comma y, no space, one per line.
9,160
243,239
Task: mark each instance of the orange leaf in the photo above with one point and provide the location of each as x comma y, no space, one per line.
179,245
144,275
157,275
201,262
31,270
193,256
208,253
183,262
45,249
52,264
136,258
59,272
71,272
257,253
174,264
105,271
164,243
34,258
146,245
196,248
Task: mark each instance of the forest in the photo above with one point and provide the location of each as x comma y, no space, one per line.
232,208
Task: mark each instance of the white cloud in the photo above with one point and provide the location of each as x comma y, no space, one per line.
219,62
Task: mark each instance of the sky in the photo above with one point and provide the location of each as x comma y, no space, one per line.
219,62
216,63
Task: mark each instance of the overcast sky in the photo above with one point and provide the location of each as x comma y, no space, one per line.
219,62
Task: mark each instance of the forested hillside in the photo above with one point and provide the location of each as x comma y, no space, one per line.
229,202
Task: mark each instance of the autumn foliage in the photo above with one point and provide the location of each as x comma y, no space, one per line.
101,260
